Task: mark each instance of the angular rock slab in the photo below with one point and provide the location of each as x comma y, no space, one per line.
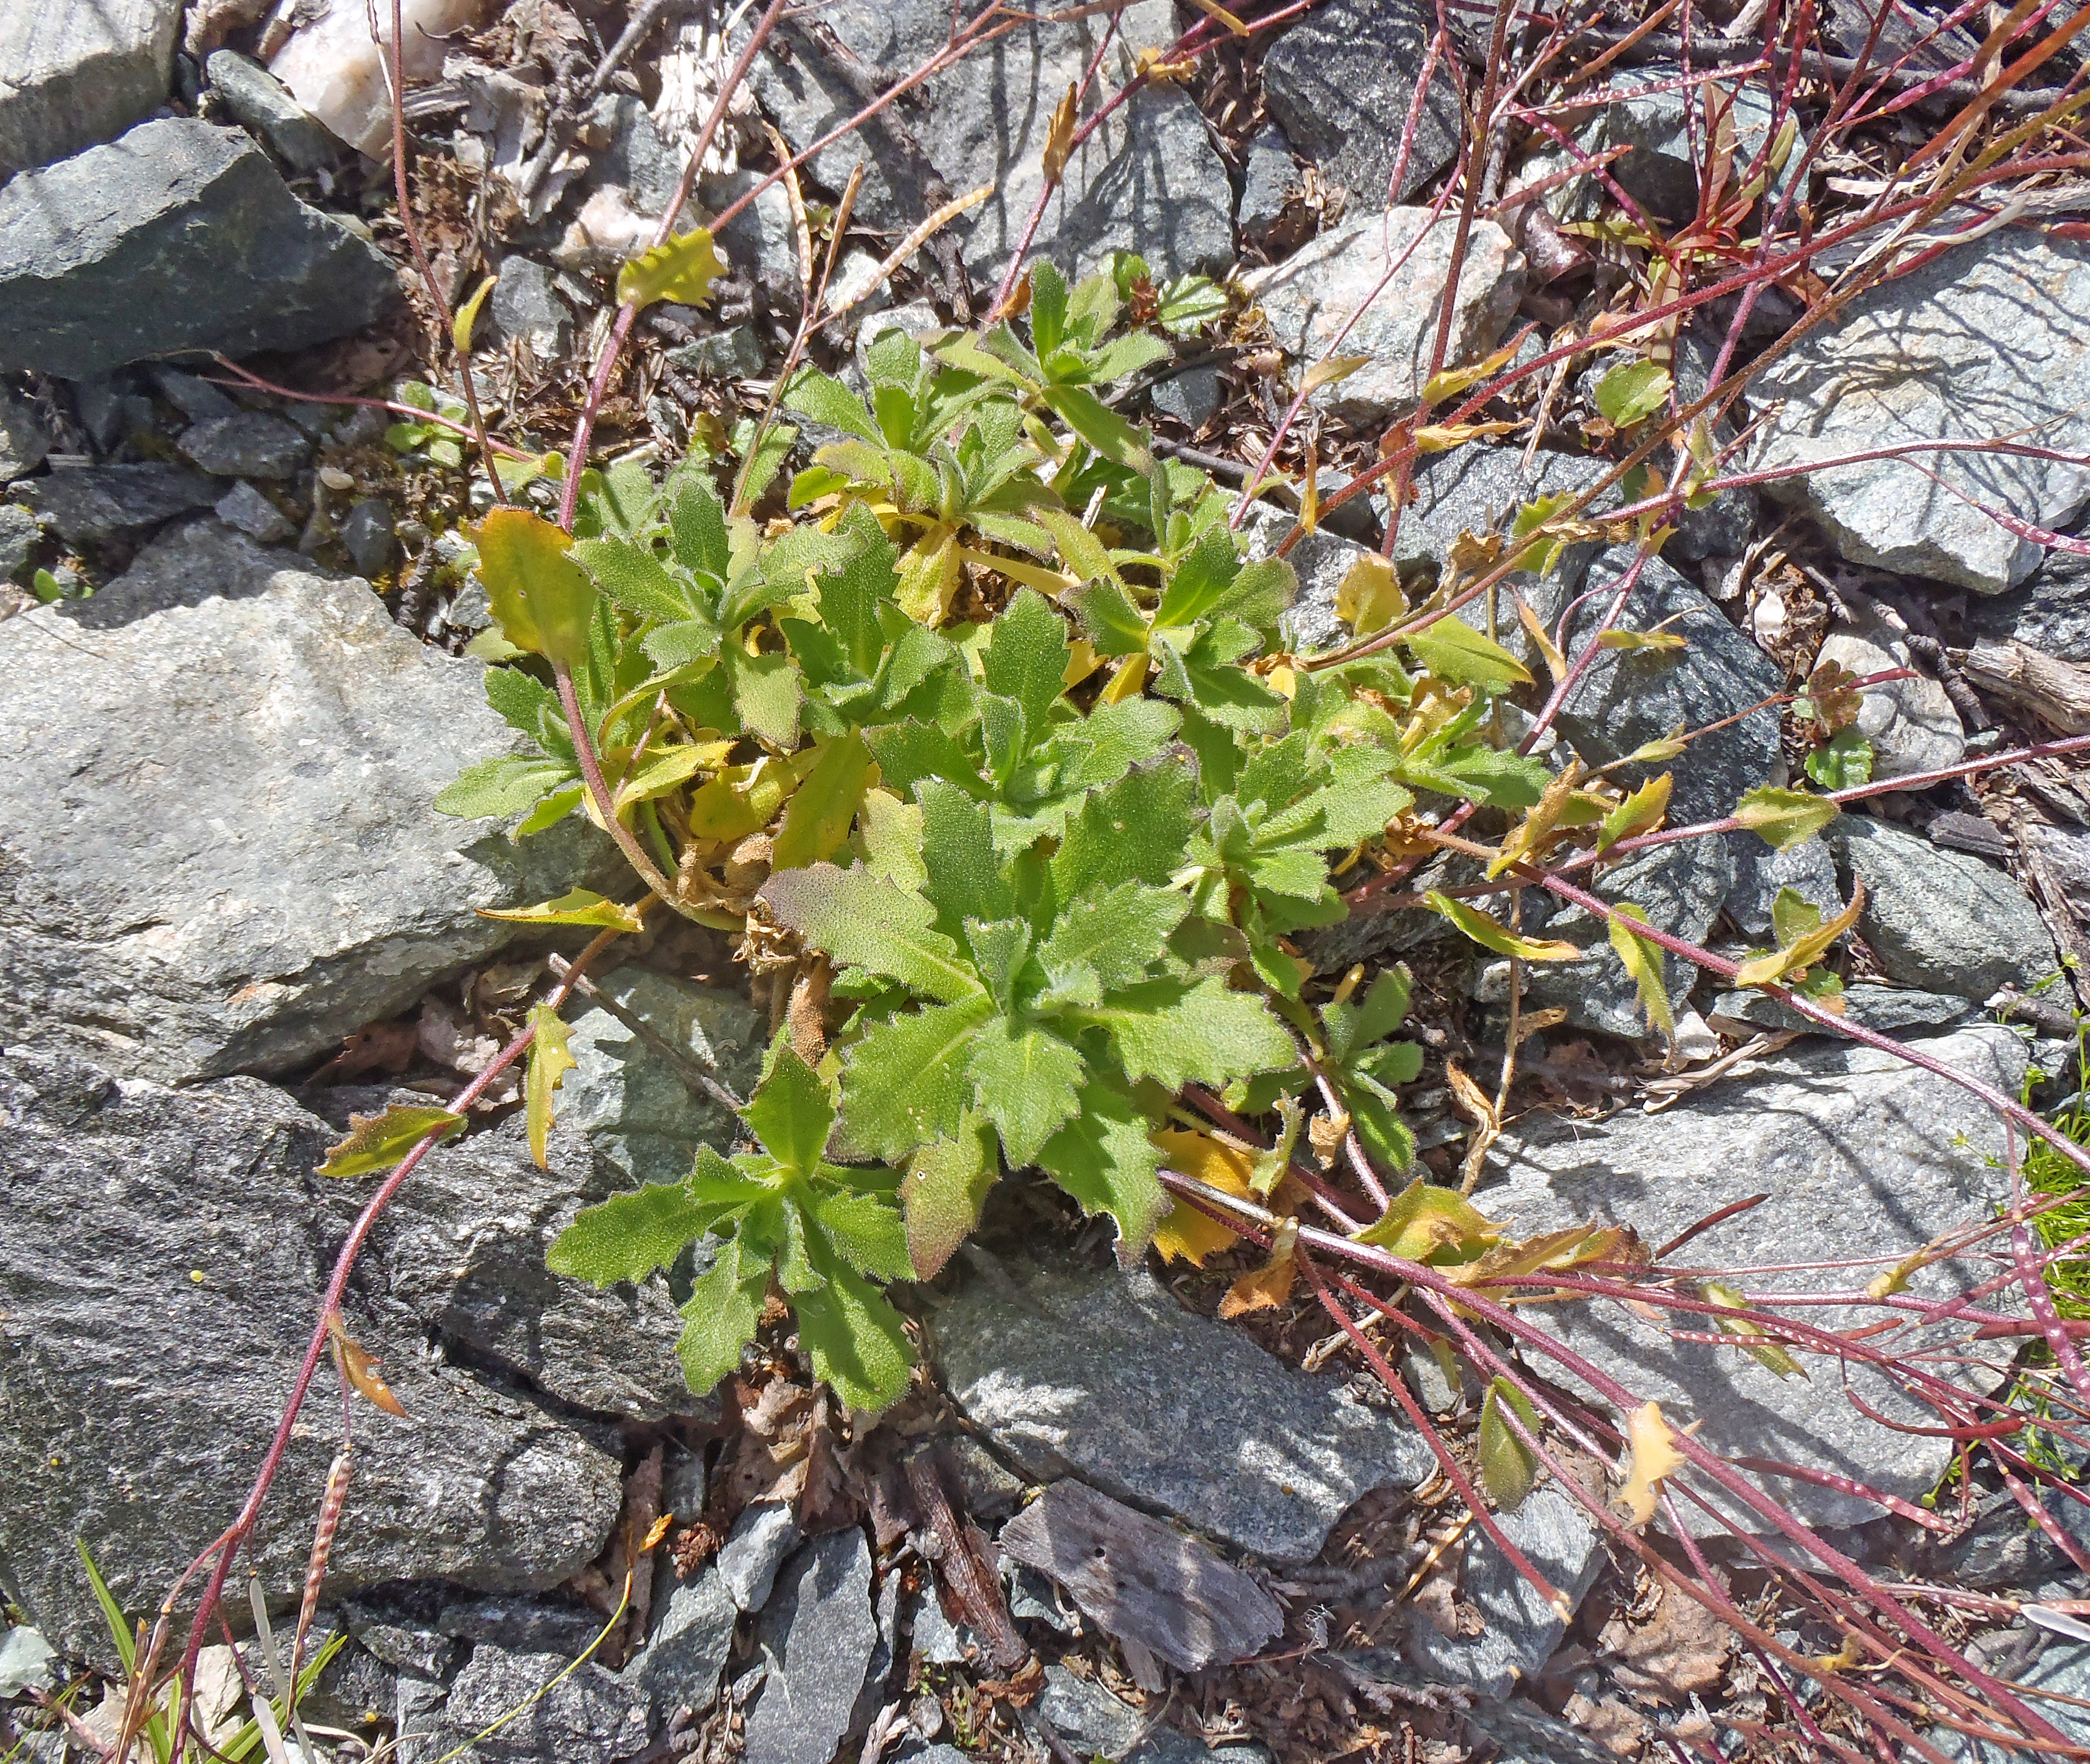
1863,1156
1942,920
1341,81
1149,180
1076,1369
218,849
586,1714
1310,295
1987,340
819,1637
73,72
179,238
160,1270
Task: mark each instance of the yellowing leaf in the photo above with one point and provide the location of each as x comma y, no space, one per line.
1628,394
1805,950
1423,1221
1531,835
817,818
1783,818
1642,812
1625,639
1333,368
929,576
1654,1457
467,316
1370,598
1755,1340
743,799
1060,134
1440,437
377,1141
1556,663
1450,380
550,1059
543,599
576,906
682,270
1452,649
1266,1288
1186,1234
1643,959
358,1365
1508,1466
1490,935
1572,1246
669,769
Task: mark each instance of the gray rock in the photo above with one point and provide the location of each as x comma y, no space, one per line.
244,507
196,398
18,533
1149,180
2062,1673
1942,920
1910,724
220,852
1308,297
1680,888
938,1641
1269,183
1094,1723
765,1534
818,1637
26,1661
260,101
1078,1370
163,1264
1481,490
468,1253
730,355
76,74
179,238
1320,561
1761,874
1341,81
526,308
91,505
586,1714
1192,397
1891,1009
1865,1158
685,1652
353,1691
1524,1734
918,318
110,409
1556,1537
366,535
417,1712
1980,342
1658,170
2005,1549
250,444
761,241
23,440
631,1093
2050,610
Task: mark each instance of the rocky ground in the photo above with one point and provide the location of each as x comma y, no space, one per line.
236,638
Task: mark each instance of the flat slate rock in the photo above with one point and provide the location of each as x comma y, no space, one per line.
1864,1157
160,1272
686,1650
1987,339
819,1637
1143,1581
1077,1370
91,504
1341,82
181,237
1149,180
218,847
73,73
1310,295
586,1714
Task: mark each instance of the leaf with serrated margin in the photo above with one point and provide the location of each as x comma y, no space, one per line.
1201,581
1028,1084
724,1310
1490,934
377,1141
909,752
696,522
945,1187
629,1236
965,878
1509,1468
790,1110
851,594
576,906
824,399
1202,1034
905,1081
542,598
767,690
1098,424
1643,959
1104,1161
637,580
864,922
682,268
1024,657
1112,622
863,1230
1110,741
493,790
1640,813
1805,949
1452,649
1080,549
1134,830
855,1339
1119,932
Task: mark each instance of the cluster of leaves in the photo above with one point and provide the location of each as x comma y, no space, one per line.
1000,725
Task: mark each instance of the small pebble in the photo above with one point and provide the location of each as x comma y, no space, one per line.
335,478
366,534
